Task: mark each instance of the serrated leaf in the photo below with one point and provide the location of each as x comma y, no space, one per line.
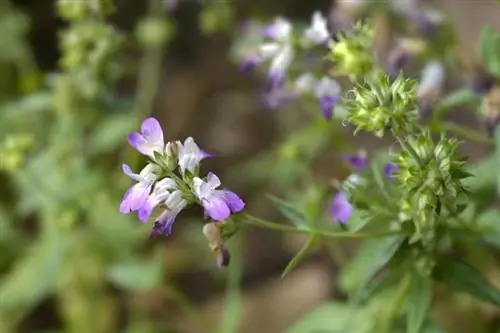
419,303
371,256
111,133
460,276
299,256
331,317
290,211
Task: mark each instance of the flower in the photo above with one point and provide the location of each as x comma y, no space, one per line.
223,257
149,139
279,65
390,169
212,232
279,30
138,194
174,203
190,155
340,209
317,32
430,86
328,93
161,192
218,204
356,161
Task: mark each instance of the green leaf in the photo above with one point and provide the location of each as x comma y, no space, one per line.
34,275
111,133
371,256
331,317
462,277
290,211
490,221
489,51
138,275
299,256
459,98
419,303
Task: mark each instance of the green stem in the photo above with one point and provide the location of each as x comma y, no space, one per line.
396,305
465,132
251,220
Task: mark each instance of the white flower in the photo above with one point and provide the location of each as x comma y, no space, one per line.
190,155
432,79
318,30
279,30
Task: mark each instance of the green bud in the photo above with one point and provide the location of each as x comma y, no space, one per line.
379,105
72,10
154,31
353,55
431,175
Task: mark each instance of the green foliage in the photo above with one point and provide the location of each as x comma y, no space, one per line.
419,303
489,50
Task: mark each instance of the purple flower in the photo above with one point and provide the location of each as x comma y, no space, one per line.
277,98
175,203
149,139
390,169
218,204
340,209
397,61
328,93
138,194
356,161
161,193
278,68
279,30
249,63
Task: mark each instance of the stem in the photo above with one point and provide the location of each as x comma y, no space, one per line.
285,228
465,132
396,305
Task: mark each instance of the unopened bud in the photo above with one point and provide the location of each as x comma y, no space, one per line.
211,231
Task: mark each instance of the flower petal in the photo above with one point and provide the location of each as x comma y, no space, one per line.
340,209
223,257
213,181
233,201
135,198
151,130
390,169
216,208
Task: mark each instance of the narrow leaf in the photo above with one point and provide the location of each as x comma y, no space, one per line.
299,256
419,303
331,317
461,276
290,211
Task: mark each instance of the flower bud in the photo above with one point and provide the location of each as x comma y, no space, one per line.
211,231
353,55
379,105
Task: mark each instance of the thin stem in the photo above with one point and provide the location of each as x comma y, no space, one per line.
285,228
465,132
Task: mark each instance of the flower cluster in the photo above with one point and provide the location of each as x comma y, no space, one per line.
279,46
379,105
431,175
171,181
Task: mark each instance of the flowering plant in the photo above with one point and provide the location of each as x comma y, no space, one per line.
419,214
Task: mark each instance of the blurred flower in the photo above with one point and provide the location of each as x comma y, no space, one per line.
430,87
137,195
356,161
390,169
340,209
149,139
218,204
279,30
317,32
328,93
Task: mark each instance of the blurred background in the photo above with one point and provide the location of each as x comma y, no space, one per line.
69,262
